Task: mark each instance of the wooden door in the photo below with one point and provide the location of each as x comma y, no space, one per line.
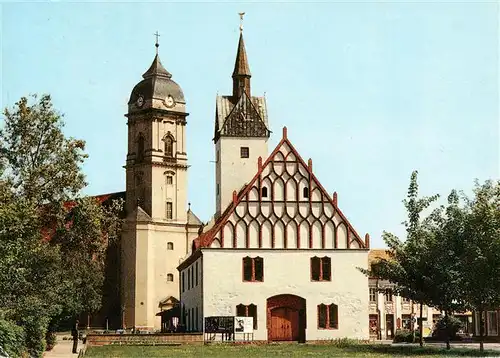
284,324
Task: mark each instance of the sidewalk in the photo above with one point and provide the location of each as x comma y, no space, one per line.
62,349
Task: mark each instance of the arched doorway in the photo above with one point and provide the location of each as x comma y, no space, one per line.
286,318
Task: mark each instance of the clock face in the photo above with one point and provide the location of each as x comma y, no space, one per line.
140,101
169,101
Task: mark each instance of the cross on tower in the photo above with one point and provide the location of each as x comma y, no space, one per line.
157,44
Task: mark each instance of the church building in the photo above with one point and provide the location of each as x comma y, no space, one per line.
278,248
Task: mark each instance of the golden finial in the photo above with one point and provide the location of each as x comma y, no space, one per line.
241,21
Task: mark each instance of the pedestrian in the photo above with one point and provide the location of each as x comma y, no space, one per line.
74,333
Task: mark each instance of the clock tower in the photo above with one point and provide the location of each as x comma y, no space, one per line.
158,225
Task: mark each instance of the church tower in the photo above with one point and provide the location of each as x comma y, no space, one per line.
158,226
241,132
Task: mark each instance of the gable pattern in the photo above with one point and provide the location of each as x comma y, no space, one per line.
297,212
244,121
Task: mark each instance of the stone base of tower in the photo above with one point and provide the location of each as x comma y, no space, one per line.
151,252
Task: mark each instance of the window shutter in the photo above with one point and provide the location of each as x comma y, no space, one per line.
247,269
327,268
259,268
252,312
315,268
321,316
333,314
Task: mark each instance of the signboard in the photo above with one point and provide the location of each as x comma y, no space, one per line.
219,324
243,324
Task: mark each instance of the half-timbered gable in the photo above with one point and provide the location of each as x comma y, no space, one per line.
283,207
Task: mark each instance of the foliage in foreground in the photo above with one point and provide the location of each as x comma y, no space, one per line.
51,254
11,338
451,258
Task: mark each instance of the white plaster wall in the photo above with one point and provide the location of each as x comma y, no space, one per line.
288,272
234,171
192,298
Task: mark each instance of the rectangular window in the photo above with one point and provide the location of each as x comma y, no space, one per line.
192,277
183,280
217,157
169,210
244,152
218,189
196,271
169,180
388,295
321,269
492,323
189,278
373,294
328,316
247,311
253,269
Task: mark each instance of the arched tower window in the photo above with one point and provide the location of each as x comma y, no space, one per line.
140,148
170,245
170,277
169,146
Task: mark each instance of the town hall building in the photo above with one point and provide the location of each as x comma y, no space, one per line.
278,247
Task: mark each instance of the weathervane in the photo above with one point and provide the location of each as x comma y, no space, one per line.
157,44
241,21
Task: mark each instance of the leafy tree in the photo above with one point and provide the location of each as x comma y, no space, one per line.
444,246
405,266
51,252
480,259
42,164
83,241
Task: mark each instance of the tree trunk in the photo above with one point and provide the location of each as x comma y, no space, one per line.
421,325
447,330
481,331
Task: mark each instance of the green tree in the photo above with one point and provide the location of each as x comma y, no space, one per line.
406,266
51,253
444,246
480,259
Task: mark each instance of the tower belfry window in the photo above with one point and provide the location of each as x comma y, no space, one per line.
169,147
140,148
169,213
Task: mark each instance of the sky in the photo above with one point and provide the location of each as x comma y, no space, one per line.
369,90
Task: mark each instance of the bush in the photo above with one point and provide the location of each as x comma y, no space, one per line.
12,338
405,335
447,325
51,339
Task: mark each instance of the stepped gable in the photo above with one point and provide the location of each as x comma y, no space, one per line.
214,235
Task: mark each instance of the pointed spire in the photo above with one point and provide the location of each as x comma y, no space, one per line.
241,67
241,72
156,68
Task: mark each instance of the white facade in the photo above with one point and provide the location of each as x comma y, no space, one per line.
285,219
237,171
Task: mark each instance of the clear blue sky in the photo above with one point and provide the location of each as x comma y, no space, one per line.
370,91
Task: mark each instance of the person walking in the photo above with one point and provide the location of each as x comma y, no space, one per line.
74,333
